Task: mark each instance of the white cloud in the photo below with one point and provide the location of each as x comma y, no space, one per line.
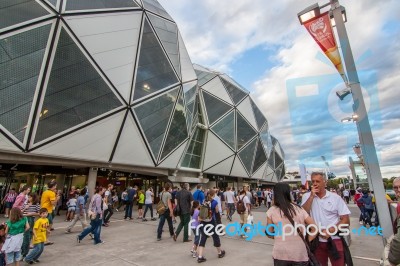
218,32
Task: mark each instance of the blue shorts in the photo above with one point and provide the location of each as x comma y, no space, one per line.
13,257
9,205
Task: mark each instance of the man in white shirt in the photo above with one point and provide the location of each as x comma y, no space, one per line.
346,195
243,199
230,199
328,211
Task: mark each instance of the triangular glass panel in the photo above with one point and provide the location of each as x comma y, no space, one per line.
21,58
153,118
271,160
155,7
13,12
168,34
260,157
215,108
154,72
98,4
278,173
274,140
243,130
278,160
247,155
204,77
225,129
266,139
189,90
75,92
53,3
189,118
185,62
258,115
236,94
193,156
177,130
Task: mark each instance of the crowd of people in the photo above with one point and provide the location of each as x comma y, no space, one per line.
30,217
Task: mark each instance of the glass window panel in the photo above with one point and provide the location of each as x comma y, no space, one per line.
154,72
235,93
155,7
225,129
189,118
177,130
266,139
215,108
244,131
204,77
20,62
13,12
247,154
153,117
278,160
98,4
53,2
260,157
258,115
193,154
168,34
278,173
271,160
190,96
75,92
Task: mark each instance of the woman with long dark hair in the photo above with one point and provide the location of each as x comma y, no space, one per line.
289,249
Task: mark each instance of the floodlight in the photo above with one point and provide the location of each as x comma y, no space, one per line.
343,93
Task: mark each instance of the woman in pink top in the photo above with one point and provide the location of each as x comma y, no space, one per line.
289,250
22,198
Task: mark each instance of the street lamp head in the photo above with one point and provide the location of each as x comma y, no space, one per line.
344,16
343,93
309,13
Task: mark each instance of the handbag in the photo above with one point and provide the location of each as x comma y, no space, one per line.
312,260
177,210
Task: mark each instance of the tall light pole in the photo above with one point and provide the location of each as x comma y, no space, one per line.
364,130
327,171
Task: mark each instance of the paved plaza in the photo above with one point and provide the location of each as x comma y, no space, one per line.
134,243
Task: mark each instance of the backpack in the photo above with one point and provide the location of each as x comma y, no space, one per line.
205,214
161,206
241,207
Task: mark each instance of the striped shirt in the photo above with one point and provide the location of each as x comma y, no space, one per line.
30,208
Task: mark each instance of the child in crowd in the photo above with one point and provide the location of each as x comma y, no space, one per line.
39,237
195,216
2,240
16,226
71,208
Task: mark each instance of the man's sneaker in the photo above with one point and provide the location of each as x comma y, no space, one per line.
159,239
153,219
361,222
222,254
91,236
36,261
144,220
68,231
29,262
194,254
78,240
174,237
201,259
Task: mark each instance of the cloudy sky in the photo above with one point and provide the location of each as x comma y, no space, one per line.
262,46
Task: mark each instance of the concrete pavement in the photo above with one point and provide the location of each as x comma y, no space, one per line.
134,243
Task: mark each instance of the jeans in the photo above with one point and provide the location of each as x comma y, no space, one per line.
27,236
163,217
231,207
108,213
185,218
128,209
77,217
148,206
35,252
94,228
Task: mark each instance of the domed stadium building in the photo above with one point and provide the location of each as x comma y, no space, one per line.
96,91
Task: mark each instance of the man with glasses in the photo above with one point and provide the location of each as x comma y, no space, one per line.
394,251
329,211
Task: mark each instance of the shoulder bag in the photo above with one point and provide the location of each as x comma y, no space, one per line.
312,260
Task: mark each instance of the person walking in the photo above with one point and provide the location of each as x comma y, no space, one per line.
184,200
165,197
22,198
149,204
291,249
140,200
195,218
243,207
16,226
49,201
9,200
367,208
80,213
129,203
108,200
96,209
40,229
30,210
210,222
199,194
230,199
329,211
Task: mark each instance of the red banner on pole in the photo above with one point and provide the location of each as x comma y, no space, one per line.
321,30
